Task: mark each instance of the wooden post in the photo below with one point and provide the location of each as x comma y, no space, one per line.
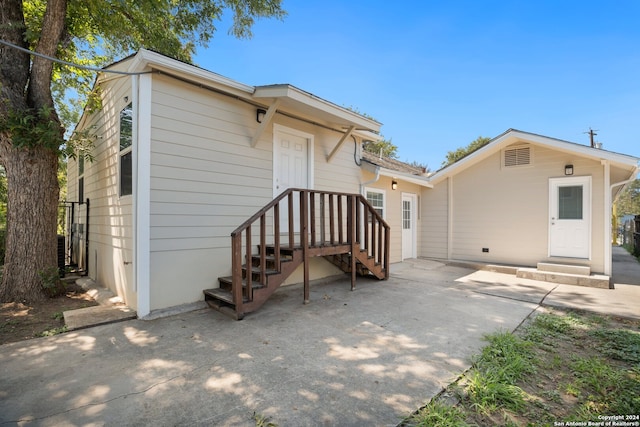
276,235
312,214
304,240
290,209
263,250
352,239
249,268
236,271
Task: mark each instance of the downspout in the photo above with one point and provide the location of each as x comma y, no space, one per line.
608,207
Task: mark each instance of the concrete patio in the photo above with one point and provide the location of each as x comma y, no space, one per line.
368,357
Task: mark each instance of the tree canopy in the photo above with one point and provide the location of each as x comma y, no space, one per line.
454,156
386,148
39,97
629,201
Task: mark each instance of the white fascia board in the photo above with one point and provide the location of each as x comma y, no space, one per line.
582,150
368,135
512,136
147,59
413,179
297,95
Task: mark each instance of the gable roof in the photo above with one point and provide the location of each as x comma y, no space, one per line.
511,136
395,169
291,100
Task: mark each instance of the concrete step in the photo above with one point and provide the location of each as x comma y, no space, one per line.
592,280
110,310
564,268
97,315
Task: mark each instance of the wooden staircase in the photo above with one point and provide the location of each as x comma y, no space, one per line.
343,228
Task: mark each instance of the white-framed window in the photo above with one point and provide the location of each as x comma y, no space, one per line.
126,156
376,198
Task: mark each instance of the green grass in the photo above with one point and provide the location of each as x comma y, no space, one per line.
560,367
438,414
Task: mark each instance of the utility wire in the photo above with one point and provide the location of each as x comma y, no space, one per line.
71,64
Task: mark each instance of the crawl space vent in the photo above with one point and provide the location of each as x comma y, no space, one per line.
518,156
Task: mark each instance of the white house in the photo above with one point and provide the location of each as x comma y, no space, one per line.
202,183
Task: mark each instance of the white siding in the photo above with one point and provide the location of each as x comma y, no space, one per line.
507,209
393,211
432,242
206,180
110,219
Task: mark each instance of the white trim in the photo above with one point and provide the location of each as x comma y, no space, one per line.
607,217
503,152
310,157
450,218
401,176
384,198
414,223
587,182
142,190
514,136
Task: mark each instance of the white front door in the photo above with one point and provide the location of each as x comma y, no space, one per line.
408,226
570,217
290,168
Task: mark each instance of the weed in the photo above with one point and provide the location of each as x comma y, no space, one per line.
58,315
620,344
487,393
436,413
507,357
51,282
54,331
262,421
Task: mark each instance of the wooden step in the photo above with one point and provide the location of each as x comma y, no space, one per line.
225,283
221,300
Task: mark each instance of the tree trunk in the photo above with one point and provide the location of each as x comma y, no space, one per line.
31,245
32,181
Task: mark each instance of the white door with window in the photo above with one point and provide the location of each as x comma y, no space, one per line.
570,217
291,168
408,226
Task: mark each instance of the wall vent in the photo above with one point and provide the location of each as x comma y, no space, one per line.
517,156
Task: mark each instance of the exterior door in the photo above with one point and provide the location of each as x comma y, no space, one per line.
570,217
291,169
408,226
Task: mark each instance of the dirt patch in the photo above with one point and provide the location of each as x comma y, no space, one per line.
20,321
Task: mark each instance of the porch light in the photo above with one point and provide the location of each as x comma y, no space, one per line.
260,115
394,185
568,169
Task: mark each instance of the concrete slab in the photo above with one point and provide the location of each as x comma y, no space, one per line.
626,269
368,357
97,315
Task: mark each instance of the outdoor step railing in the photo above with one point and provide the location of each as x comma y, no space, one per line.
315,219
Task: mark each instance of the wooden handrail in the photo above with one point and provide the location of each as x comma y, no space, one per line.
357,224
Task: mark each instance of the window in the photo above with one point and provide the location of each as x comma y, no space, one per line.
376,199
126,142
570,202
406,215
517,156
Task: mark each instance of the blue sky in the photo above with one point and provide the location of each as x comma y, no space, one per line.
438,74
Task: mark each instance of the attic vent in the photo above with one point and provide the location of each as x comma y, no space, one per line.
517,156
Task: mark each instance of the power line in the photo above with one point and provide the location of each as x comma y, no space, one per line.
71,64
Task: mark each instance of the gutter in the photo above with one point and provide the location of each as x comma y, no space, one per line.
625,182
376,171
